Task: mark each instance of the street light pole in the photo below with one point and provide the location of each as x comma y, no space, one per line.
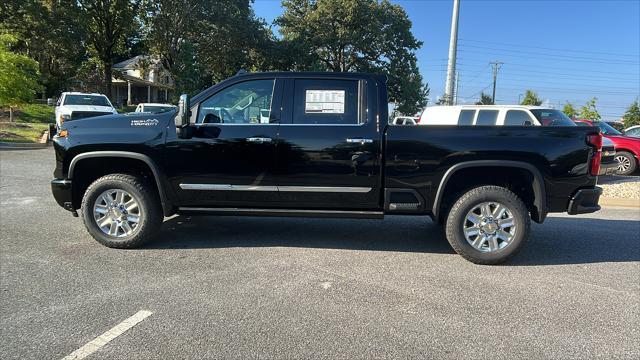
453,49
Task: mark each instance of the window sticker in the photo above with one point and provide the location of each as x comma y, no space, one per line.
324,102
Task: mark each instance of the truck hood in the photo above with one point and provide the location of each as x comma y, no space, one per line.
125,122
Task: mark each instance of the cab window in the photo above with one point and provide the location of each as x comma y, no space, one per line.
326,101
245,103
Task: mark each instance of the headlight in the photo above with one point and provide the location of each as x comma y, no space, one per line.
63,117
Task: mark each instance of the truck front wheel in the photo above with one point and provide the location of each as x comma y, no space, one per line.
488,225
121,211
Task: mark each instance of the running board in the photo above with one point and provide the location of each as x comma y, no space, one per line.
343,214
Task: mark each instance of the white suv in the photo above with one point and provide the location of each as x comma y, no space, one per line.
76,105
514,115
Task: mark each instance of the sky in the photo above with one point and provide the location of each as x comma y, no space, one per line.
565,50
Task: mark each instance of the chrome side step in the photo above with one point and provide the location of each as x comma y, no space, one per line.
344,214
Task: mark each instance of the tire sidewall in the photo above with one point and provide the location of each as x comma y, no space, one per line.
632,162
457,216
88,202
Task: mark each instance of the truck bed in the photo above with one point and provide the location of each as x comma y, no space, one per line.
419,157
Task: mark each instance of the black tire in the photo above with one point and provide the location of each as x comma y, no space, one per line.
623,156
456,221
150,219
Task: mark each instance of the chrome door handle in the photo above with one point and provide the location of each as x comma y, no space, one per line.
259,139
360,141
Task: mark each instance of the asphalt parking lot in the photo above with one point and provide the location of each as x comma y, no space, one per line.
233,287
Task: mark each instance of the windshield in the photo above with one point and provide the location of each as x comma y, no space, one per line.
607,129
551,117
157,108
95,100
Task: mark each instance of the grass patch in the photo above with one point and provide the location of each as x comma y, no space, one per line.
21,132
31,113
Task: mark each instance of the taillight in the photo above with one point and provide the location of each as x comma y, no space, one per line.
595,140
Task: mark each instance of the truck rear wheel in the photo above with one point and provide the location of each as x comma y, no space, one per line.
121,211
488,225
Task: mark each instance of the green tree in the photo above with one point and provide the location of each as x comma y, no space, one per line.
49,32
531,98
183,34
569,110
109,25
484,99
18,76
356,35
632,116
589,111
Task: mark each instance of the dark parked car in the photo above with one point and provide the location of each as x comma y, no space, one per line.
319,145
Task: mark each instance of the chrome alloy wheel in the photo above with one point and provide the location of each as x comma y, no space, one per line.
117,213
489,227
623,163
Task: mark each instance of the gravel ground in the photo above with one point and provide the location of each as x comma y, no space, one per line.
620,187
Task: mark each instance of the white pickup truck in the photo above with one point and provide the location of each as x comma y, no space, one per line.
77,105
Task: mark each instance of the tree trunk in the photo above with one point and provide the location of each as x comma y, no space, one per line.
10,114
107,79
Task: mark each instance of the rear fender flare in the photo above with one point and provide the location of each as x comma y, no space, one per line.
540,197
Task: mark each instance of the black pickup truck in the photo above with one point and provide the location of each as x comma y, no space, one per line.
319,145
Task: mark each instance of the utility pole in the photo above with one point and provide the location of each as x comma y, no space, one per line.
496,66
455,97
453,49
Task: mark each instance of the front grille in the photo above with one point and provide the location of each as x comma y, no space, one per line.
86,114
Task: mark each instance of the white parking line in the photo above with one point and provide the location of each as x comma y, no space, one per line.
102,340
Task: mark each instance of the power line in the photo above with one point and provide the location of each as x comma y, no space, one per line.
481,61
556,75
545,54
533,82
528,46
625,62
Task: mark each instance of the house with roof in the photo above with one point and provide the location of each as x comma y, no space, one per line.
140,79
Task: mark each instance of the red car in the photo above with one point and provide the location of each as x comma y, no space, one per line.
627,147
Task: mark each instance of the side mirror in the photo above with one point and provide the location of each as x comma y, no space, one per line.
182,117
527,123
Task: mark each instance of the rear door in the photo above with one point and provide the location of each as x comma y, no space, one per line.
328,153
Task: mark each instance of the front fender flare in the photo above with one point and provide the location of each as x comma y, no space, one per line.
167,207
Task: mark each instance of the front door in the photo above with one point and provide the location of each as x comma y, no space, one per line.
230,159
329,145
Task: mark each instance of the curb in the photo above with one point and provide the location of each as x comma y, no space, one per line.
43,143
22,146
631,203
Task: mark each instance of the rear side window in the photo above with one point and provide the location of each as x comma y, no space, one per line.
517,118
633,132
487,117
326,101
466,117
